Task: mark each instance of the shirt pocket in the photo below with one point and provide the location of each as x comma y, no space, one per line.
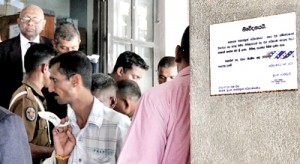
41,136
99,151
103,155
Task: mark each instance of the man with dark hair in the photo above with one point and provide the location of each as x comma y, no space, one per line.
129,66
96,133
166,69
128,95
104,88
161,122
12,51
66,37
28,100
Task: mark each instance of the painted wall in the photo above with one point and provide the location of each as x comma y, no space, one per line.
60,7
246,128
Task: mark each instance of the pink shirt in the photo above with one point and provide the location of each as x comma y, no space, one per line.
160,129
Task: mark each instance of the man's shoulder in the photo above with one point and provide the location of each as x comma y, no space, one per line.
24,92
10,41
10,117
4,113
113,116
168,89
45,40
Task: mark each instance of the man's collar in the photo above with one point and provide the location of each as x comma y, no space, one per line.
24,41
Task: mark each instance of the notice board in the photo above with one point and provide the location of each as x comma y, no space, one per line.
254,55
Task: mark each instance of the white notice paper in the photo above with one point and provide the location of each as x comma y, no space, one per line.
254,55
14,30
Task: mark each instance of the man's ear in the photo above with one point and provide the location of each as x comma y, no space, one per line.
19,20
178,54
44,68
127,104
75,79
44,23
113,102
120,71
53,44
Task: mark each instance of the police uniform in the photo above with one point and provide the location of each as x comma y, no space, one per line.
27,107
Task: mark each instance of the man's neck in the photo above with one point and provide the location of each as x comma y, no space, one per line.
36,79
182,65
31,38
114,76
82,108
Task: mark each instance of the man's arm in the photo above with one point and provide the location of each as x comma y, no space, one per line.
123,128
25,108
40,151
64,142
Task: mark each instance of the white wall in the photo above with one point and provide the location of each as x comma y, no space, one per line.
176,20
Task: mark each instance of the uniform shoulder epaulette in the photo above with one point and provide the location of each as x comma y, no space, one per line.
16,97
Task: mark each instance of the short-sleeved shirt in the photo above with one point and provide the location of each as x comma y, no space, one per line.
26,106
160,129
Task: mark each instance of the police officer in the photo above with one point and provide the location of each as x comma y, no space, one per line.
28,100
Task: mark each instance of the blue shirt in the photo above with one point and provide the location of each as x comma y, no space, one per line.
14,146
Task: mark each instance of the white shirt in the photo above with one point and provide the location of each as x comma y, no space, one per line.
101,139
25,45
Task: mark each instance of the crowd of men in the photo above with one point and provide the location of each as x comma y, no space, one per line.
108,116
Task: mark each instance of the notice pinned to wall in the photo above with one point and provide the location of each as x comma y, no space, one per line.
254,55
14,30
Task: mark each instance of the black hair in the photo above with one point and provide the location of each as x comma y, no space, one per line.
101,81
74,62
127,59
66,31
166,61
128,88
185,44
36,55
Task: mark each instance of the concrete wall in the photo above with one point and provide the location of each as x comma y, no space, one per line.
248,128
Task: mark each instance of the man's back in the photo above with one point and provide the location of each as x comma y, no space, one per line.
166,137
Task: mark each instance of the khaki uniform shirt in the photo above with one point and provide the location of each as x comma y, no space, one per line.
27,107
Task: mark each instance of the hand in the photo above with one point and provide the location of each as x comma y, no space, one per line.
64,140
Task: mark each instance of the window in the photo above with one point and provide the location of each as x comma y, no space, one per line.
130,28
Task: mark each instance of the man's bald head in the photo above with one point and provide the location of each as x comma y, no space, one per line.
31,21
